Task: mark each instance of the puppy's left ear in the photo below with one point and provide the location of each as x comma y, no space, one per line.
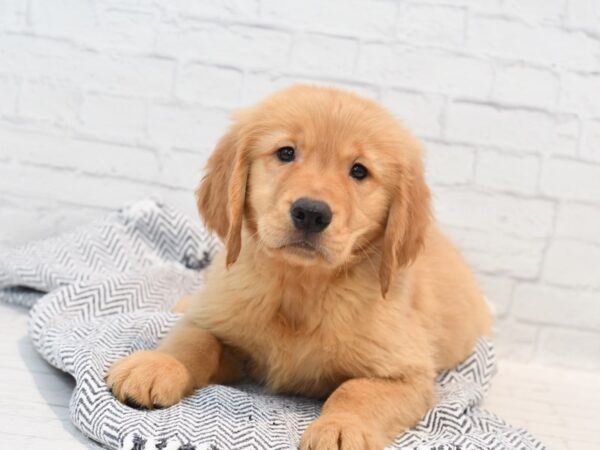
222,193
408,219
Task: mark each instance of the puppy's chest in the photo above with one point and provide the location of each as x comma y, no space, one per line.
307,358
292,361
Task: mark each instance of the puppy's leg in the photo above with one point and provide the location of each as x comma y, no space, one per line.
368,413
188,358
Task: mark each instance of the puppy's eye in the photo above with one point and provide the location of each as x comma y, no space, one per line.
286,154
359,171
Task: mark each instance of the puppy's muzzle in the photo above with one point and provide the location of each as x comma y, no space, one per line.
310,215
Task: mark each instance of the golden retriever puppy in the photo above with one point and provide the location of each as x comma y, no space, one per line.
334,281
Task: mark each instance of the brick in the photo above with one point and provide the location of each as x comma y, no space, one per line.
123,30
183,201
239,46
259,85
184,170
73,18
570,179
515,341
578,221
448,163
22,225
569,348
193,128
484,4
476,5
498,291
55,102
114,116
58,185
500,255
127,75
26,145
9,88
520,41
514,128
522,85
86,156
133,4
496,213
441,25
228,9
94,27
13,14
351,17
584,14
572,263
425,69
507,172
557,306
577,93
324,55
544,11
421,113
590,140
31,56
209,85
109,72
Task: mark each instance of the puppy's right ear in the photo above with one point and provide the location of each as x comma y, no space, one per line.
222,192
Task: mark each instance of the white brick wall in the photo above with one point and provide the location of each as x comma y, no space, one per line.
105,102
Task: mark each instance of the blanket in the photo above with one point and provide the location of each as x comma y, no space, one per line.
105,290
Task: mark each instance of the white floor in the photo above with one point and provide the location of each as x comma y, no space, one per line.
561,407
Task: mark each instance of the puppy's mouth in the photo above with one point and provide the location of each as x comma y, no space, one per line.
302,245
304,248
296,247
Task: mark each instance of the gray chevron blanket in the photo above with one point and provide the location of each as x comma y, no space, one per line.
104,291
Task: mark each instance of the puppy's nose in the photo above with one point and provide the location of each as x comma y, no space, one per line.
310,215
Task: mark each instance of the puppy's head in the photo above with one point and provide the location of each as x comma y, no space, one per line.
319,177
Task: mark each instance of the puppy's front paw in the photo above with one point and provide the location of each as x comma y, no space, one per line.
341,432
149,379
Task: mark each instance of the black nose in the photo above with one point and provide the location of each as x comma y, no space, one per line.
309,215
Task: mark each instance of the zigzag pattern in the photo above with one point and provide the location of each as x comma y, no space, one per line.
105,290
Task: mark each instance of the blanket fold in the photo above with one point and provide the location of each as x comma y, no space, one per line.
105,290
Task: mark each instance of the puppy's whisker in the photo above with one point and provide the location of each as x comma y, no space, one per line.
363,250
373,250
370,260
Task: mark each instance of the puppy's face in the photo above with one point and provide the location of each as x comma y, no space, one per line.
319,177
317,187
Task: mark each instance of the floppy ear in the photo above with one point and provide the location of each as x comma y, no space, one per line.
222,192
408,219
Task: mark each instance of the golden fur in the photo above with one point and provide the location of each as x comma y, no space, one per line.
367,318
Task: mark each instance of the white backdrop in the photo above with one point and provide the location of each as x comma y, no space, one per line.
106,102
